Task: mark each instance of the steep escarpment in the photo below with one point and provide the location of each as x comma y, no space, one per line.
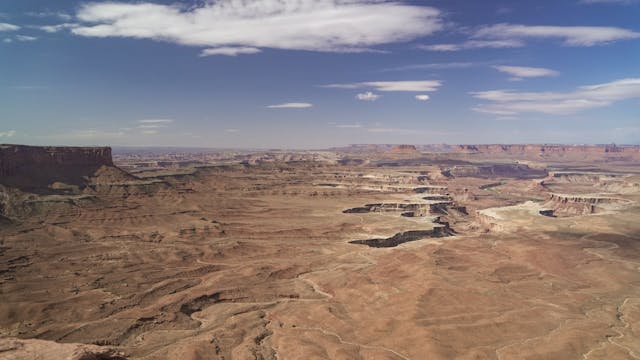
51,181
31,167
583,204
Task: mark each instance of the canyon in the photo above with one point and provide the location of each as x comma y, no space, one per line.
364,252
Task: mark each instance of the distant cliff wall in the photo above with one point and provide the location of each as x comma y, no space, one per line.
36,166
587,152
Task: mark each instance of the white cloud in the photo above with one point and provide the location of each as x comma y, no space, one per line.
422,97
626,134
505,102
30,87
9,133
441,47
571,35
229,51
84,136
416,85
474,44
192,135
520,72
394,130
231,130
326,25
291,106
155,121
368,96
56,28
8,27
349,126
7,40
151,126
434,66
26,38
514,36
49,14
92,134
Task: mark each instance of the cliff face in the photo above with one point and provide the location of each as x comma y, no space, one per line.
589,152
37,166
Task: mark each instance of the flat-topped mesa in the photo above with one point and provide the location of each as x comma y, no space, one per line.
628,152
404,150
40,166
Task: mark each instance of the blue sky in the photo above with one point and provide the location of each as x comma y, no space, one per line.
313,74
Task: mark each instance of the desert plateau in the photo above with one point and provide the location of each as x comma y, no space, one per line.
378,252
319,180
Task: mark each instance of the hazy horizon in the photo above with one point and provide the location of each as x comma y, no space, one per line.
125,148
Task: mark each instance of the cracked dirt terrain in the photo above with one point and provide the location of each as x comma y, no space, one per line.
256,262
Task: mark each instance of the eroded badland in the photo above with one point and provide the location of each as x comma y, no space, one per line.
476,252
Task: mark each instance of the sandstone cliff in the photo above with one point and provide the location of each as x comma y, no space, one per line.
31,167
38,180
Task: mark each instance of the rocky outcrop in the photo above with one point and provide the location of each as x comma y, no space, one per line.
20,349
548,213
28,167
488,221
